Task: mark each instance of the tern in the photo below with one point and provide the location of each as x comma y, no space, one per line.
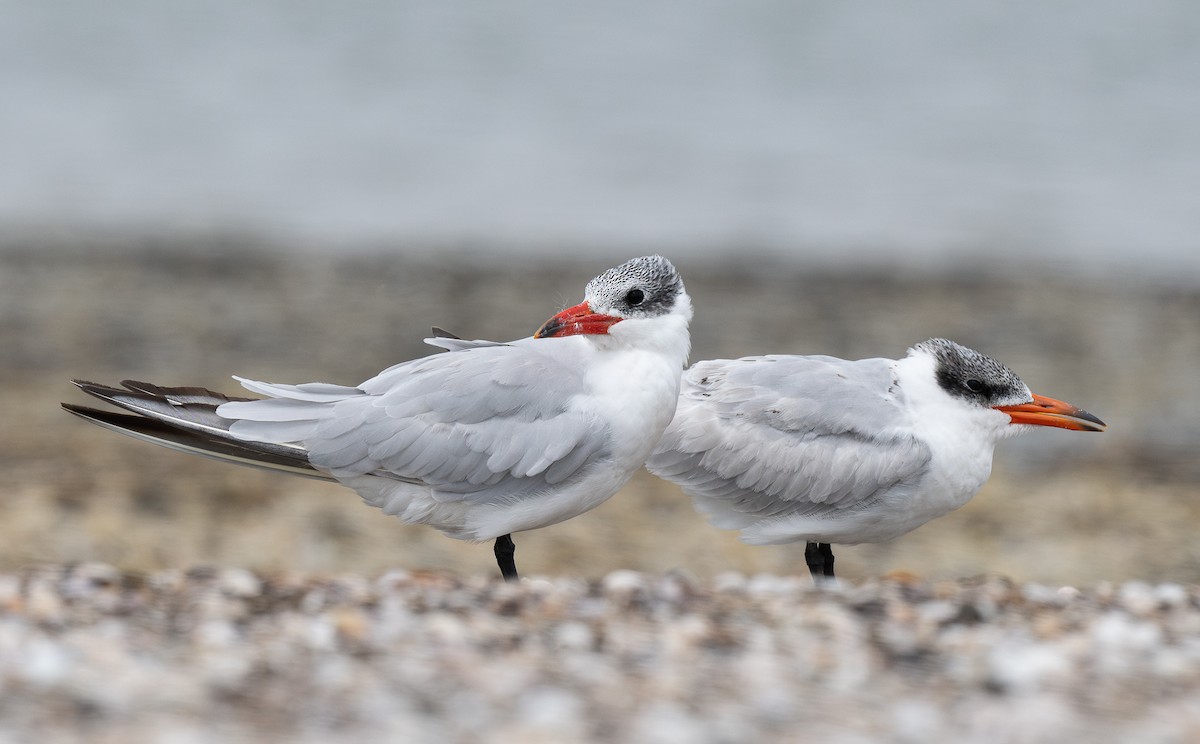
824,450
481,442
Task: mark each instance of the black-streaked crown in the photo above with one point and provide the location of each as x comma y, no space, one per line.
968,374
642,287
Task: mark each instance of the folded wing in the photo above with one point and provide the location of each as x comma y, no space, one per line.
484,422
787,436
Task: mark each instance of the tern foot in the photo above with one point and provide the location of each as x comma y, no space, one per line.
819,557
505,550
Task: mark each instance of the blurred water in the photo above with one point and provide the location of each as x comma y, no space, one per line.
836,132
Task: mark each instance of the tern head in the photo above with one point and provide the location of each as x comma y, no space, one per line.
980,380
642,289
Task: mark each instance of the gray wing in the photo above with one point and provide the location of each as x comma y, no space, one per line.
483,422
787,435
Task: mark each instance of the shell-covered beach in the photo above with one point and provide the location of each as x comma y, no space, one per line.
91,653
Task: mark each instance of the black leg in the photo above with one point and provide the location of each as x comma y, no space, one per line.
827,552
505,550
815,561
819,557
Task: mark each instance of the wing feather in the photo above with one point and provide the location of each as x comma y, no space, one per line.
473,424
764,437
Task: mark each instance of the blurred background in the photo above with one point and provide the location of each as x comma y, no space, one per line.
297,192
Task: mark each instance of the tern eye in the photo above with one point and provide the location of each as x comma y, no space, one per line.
975,386
635,296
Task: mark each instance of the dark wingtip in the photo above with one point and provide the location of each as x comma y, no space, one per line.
94,389
98,390
83,411
439,332
145,388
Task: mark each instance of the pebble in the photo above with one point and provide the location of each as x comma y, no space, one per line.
89,652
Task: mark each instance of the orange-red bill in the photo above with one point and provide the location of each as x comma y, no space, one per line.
1045,411
574,321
